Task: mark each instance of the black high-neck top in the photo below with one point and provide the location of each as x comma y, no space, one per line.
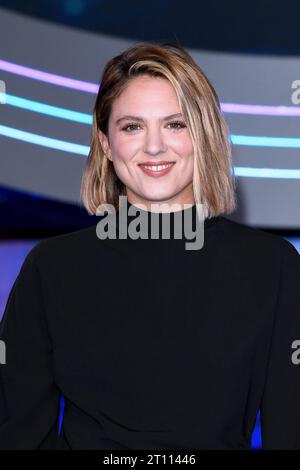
153,346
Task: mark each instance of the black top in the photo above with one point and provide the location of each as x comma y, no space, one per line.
153,346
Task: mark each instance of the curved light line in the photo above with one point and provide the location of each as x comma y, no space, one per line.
47,77
284,173
265,141
261,110
47,109
84,150
44,141
89,87
63,113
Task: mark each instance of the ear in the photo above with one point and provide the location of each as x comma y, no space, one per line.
104,143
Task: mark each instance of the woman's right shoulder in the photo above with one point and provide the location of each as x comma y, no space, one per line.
62,247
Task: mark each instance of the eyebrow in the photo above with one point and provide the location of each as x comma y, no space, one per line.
139,118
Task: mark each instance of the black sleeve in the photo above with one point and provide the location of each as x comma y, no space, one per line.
29,397
280,406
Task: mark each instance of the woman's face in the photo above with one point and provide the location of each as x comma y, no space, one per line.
146,127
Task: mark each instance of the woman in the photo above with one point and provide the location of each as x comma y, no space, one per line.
154,346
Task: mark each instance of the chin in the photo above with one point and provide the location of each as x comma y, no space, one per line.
159,199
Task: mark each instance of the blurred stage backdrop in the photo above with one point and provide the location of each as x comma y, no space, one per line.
51,57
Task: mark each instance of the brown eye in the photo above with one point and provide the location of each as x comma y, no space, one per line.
177,125
125,128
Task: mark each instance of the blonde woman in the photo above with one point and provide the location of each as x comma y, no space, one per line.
153,345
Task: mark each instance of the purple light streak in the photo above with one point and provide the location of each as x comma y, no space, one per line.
48,77
89,87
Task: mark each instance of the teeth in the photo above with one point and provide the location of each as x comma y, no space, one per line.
157,167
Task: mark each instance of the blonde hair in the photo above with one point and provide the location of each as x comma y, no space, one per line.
213,178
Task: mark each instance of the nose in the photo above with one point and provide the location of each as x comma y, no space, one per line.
154,142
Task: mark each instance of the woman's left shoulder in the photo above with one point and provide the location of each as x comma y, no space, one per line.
256,239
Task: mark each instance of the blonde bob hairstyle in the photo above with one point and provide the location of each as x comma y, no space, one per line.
214,184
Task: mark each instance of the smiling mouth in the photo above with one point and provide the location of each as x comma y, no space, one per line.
156,168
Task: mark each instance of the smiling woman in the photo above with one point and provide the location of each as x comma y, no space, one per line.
154,344
158,134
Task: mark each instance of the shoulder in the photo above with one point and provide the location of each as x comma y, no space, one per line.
63,248
253,240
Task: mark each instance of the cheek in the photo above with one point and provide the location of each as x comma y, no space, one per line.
124,149
183,146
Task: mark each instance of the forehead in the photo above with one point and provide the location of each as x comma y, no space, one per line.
142,93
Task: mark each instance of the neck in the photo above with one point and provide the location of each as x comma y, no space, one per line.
140,223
